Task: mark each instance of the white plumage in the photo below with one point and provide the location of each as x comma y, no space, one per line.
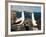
21,19
33,20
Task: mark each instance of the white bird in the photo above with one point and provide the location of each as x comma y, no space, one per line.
20,19
33,20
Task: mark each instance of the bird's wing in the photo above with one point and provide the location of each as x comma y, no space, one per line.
21,19
33,20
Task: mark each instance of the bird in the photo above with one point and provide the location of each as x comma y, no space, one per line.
20,20
33,20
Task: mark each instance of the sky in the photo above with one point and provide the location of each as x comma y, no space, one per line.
26,8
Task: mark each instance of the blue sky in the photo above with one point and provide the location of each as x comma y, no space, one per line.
26,8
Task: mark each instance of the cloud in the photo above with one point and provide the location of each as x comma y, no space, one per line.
26,8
